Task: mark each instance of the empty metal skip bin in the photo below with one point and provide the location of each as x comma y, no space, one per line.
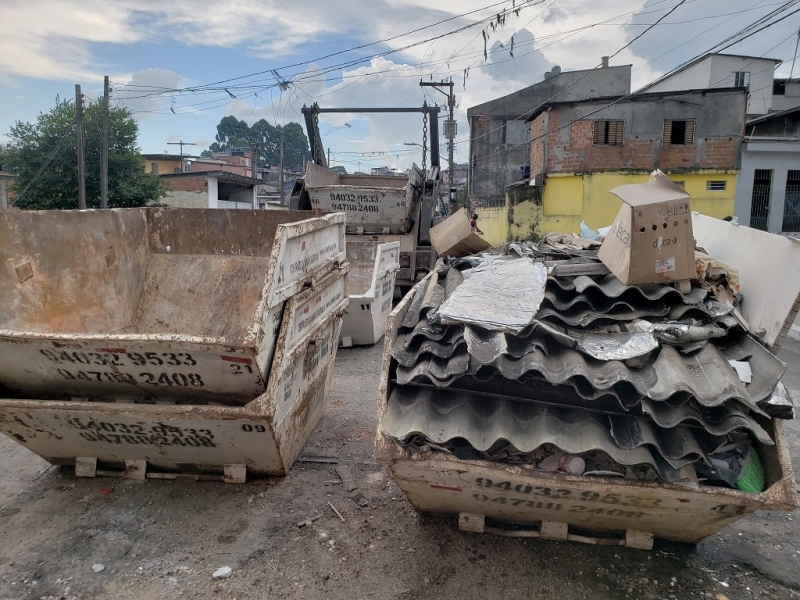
145,305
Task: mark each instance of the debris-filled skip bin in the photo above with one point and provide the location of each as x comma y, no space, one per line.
176,340
373,269
517,397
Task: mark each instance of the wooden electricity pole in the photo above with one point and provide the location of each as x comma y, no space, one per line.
104,149
79,145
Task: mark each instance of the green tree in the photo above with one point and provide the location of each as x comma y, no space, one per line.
339,169
233,133
43,155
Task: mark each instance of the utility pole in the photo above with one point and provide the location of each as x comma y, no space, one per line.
283,195
79,145
104,149
329,157
449,125
181,144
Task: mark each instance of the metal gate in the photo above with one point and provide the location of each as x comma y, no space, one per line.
791,210
759,208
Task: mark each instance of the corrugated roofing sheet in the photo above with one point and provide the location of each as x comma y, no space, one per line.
442,417
705,375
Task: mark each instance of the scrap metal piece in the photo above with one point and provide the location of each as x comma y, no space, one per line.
485,346
503,295
678,334
781,404
617,346
585,317
767,369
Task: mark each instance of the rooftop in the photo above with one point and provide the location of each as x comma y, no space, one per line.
222,176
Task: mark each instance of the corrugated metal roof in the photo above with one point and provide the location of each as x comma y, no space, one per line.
442,417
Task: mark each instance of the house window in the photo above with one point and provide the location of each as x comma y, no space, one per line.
759,207
779,88
679,133
154,168
505,127
680,184
741,79
791,210
716,186
608,133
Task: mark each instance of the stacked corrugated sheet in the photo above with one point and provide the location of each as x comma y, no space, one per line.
507,359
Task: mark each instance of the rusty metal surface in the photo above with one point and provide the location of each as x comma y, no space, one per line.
373,204
265,435
151,303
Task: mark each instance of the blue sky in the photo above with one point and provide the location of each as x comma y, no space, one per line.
47,46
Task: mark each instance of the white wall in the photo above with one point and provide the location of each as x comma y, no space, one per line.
780,157
761,79
718,71
790,100
213,192
694,78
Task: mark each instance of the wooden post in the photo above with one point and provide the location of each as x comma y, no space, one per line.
104,149
3,195
79,146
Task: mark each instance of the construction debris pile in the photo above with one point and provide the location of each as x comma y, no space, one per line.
519,359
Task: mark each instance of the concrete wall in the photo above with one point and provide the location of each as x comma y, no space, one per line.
761,79
567,199
695,77
165,167
186,199
499,133
570,199
791,99
568,148
493,221
780,157
244,196
717,71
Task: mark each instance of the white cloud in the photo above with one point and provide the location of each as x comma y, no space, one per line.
138,93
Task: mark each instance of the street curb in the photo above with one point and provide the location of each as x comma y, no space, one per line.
794,332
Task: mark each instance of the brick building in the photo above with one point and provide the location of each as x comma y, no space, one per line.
211,189
581,150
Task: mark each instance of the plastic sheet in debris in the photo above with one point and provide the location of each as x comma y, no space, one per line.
503,295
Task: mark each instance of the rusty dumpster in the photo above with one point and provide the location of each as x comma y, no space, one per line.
559,505
199,441
153,304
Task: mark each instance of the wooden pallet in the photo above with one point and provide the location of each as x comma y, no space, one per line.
556,531
137,470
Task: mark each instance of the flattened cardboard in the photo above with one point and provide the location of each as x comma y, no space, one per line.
651,240
454,237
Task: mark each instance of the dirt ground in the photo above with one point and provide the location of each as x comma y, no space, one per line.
164,539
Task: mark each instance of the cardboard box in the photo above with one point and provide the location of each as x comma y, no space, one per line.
651,240
454,237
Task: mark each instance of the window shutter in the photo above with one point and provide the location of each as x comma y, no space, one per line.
667,132
615,134
689,138
599,132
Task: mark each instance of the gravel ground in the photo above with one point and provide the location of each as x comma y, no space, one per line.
164,539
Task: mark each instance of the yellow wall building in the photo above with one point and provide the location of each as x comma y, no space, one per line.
566,199
163,164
